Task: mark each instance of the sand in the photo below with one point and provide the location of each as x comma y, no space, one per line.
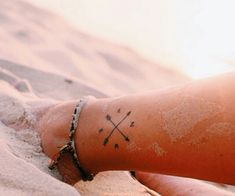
43,59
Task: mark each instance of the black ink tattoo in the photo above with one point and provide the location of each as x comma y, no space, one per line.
132,124
116,146
109,118
105,141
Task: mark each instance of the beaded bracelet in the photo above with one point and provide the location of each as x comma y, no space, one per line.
70,146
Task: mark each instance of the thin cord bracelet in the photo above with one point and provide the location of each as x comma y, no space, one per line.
70,146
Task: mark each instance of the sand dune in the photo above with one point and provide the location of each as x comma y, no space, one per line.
41,40
45,60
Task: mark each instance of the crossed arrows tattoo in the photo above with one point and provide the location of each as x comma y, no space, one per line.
116,128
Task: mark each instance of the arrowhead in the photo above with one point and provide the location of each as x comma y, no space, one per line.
105,141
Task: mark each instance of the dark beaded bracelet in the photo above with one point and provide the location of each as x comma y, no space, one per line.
70,146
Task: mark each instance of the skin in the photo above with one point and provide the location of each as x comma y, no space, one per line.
186,130
171,185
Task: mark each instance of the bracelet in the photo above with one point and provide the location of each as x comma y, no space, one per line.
70,146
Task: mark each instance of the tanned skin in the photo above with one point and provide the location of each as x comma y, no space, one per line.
186,130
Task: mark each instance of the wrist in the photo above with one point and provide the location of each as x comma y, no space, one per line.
85,135
93,128
55,128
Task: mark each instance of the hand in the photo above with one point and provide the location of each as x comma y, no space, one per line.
53,128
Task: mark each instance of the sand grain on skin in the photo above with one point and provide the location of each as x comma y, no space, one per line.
221,128
179,121
158,150
132,147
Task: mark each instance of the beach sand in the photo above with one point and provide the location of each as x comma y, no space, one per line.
44,60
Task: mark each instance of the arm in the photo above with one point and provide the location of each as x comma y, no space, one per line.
172,185
187,130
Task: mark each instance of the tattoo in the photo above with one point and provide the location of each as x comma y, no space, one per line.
116,128
116,146
132,124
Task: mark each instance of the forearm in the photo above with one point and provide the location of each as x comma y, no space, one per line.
186,130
